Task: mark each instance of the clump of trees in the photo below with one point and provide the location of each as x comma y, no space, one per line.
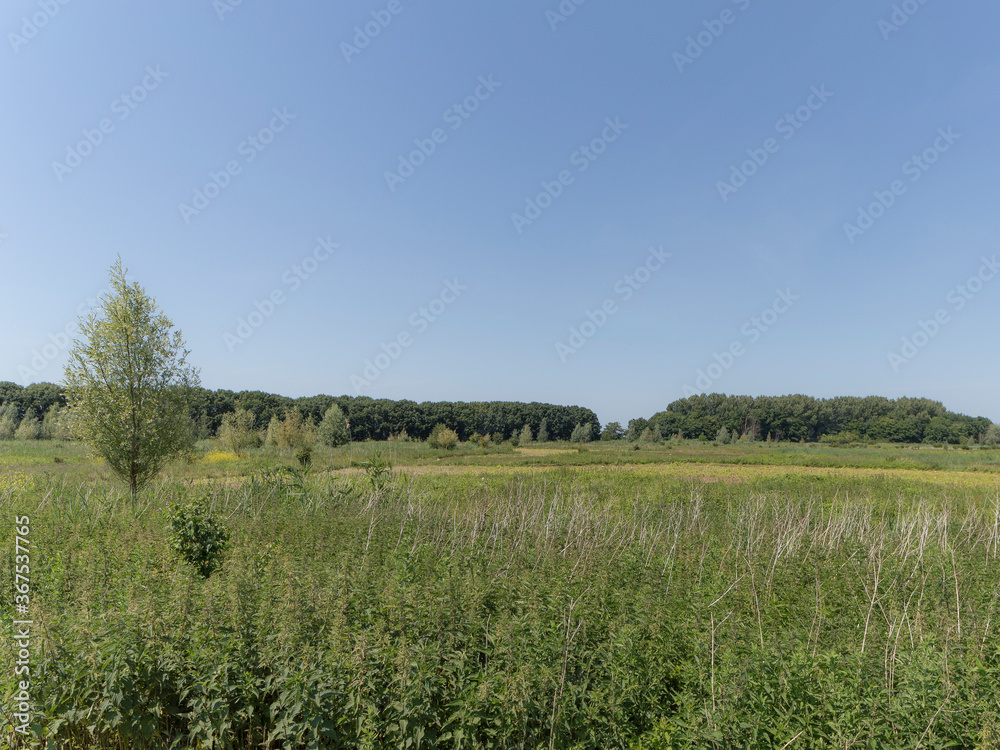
238,432
798,418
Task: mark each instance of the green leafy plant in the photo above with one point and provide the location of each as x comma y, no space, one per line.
197,537
378,470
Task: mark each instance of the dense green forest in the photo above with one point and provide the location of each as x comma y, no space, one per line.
370,419
798,417
707,417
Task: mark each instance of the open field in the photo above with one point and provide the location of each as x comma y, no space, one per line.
678,595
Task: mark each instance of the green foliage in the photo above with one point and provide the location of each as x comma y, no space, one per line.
127,384
442,437
613,431
378,470
238,432
291,433
8,421
582,433
543,431
723,437
304,457
333,430
525,436
197,537
992,435
798,417
29,429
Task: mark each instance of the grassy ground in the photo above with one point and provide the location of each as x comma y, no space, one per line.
679,595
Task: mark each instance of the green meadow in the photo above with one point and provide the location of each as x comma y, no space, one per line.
604,595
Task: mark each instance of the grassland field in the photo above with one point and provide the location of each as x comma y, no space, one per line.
609,595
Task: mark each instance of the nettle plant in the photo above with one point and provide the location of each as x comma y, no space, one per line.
197,536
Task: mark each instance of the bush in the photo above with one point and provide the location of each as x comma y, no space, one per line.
582,433
723,436
197,537
526,436
29,429
55,426
237,433
292,432
8,422
443,437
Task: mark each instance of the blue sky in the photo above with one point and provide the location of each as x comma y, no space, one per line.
595,204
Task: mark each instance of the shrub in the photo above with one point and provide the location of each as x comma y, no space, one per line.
237,433
292,432
54,426
304,457
29,429
197,537
582,433
447,439
399,437
333,430
646,436
526,436
8,422
992,436
723,436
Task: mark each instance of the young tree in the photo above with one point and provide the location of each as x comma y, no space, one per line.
526,436
237,433
8,421
127,384
292,432
333,429
543,432
582,433
29,429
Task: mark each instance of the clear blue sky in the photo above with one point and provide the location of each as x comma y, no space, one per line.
444,156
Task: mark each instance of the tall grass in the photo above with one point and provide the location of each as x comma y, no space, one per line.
554,610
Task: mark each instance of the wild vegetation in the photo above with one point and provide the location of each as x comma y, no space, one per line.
557,595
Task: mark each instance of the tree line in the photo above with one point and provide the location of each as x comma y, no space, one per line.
369,418
720,417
